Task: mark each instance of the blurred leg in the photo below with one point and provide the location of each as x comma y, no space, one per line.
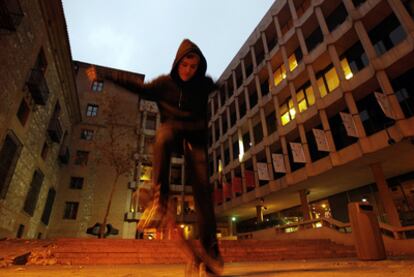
164,141
196,161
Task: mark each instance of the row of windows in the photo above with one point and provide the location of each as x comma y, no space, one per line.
370,112
351,61
389,26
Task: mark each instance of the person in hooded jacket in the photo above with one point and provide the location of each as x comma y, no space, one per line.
182,98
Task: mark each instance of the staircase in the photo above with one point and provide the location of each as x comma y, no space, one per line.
121,251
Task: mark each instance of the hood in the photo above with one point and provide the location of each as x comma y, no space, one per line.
186,47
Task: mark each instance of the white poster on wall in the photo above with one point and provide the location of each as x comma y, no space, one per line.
278,163
349,124
297,152
321,140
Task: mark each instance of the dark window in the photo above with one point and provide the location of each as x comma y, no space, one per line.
339,134
337,17
97,86
233,115
151,121
210,137
313,147
298,55
71,210
271,37
248,67
387,34
86,134
373,118
37,84
259,51
313,40
409,5
20,231
92,110
45,150
223,95
358,3
226,156
176,174
11,14
33,193
242,107
76,182
224,123
271,123
47,211
9,155
404,90
356,57
253,98
54,129
239,76
81,157
217,130
210,166
23,112
246,142
264,87
258,133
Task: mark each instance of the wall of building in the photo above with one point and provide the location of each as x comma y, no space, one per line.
20,49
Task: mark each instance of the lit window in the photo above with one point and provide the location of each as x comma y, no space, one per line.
292,62
280,74
322,87
310,96
301,101
287,112
328,81
347,69
332,79
146,173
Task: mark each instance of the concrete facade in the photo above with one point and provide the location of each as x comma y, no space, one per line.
304,64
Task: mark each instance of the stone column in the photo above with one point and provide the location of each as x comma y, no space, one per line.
304,204
385,195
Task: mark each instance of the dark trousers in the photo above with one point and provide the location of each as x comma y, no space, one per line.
169,137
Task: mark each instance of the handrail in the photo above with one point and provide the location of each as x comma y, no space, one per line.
398,232
324,221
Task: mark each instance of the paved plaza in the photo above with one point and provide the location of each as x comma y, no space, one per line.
403,267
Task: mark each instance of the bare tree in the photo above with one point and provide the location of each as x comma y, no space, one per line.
114,146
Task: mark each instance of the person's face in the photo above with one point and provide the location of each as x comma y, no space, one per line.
188,67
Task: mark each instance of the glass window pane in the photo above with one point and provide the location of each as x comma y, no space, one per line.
302,105
292,62
347,69
322,87
285,118
332,79
310,95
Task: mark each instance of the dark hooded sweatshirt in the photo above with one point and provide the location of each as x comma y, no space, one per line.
180,101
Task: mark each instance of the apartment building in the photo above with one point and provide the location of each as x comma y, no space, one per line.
316,111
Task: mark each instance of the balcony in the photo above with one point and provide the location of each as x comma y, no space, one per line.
11,14
38,87
64,155
55,130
